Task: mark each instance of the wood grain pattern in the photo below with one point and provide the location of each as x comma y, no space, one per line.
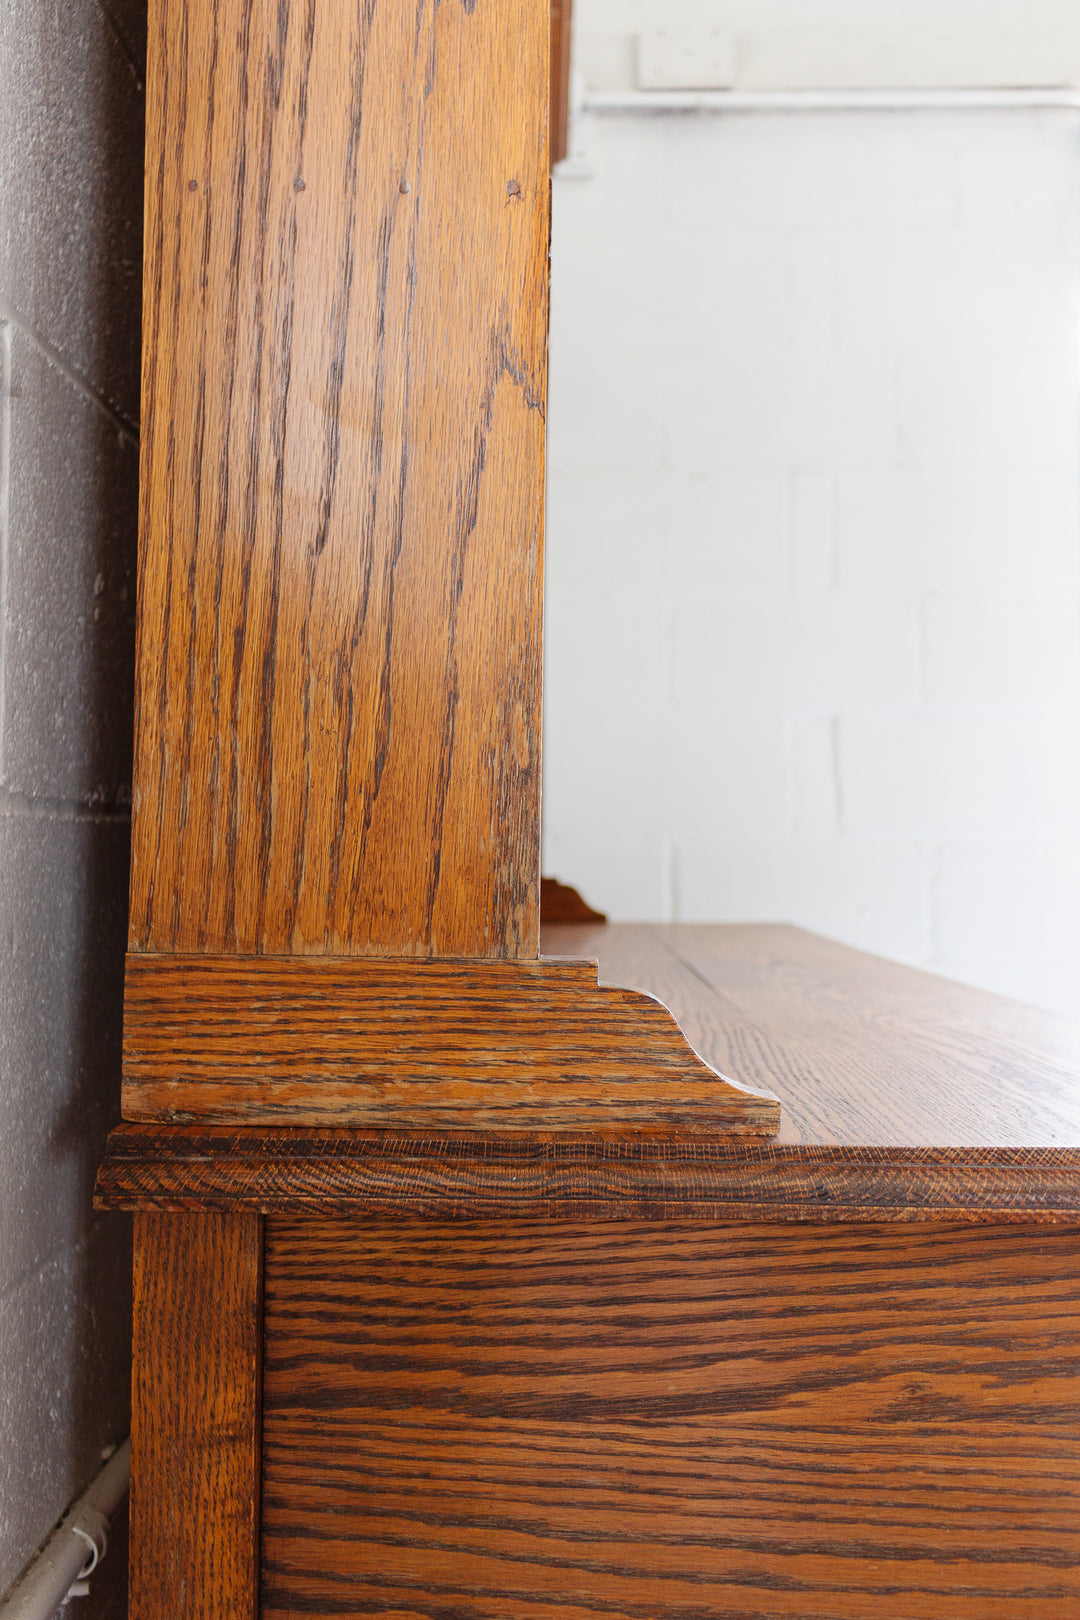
413,1044
860,1051
195,1417
342,485
654,1423
561,903
603,1176
913,1099
561,16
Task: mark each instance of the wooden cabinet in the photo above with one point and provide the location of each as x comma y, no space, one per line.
744,1281
626,1371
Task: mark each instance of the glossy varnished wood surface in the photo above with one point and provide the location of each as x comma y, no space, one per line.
337,737
562,903
860,1051
656,1423
904,1098
195,1431
639,1175
412,1044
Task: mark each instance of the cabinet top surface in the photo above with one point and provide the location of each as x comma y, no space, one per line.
862,1052
904,1097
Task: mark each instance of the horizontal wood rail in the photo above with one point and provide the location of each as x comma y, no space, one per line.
906,1097
414,1044
469,1175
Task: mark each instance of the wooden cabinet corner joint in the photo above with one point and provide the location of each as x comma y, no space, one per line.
415,1043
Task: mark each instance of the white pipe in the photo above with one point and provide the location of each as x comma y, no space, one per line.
748,101
75,1547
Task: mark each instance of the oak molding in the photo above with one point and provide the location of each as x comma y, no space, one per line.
561,903
196,1427
420,1043
468,1175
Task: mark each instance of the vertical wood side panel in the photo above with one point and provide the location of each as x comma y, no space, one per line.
196,1417
337,743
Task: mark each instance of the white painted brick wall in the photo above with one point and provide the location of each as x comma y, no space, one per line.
781,44
813,603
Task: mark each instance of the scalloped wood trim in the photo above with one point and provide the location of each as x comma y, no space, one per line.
434,1044
560,903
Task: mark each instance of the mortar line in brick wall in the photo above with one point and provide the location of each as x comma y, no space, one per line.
667,878
14,805
128,430
934,878
836,760
138,68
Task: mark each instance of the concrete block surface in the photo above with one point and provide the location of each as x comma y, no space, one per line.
63,910
948,527
596,424
666,534
728,771
961,775
1002,650
70,619
605,724
817,800
71,133
800,653
623,874
1007,916
864,892
128,20
65,1329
